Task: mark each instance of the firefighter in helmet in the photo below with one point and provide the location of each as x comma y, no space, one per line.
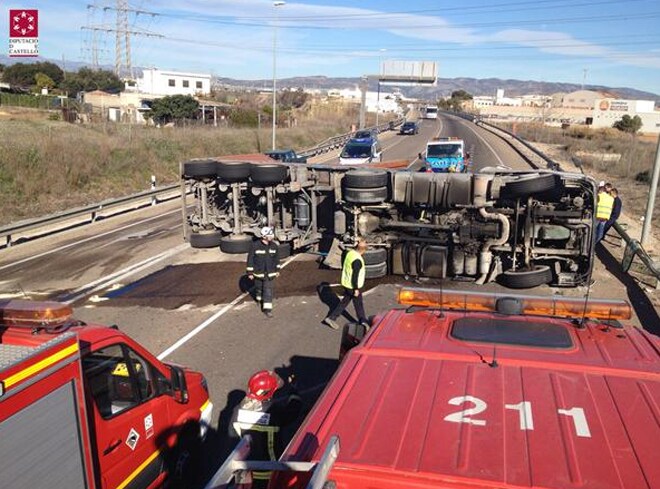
263,266
262,416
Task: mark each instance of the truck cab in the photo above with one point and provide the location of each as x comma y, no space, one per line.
85,406
459,390
446,155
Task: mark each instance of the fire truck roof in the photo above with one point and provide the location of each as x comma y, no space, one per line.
458,399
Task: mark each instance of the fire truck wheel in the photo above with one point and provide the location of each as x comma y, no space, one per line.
205,239
284,250
365,195
530,186
376,271
268,175
199,169
235,244
186,465
375,256
233,171
366,179
524,279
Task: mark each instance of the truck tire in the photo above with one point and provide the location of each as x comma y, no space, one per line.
187,461
268,175
375,256
375,271
365,195
205,239
199,169
366,179
235,244
530,186
233,171
524,279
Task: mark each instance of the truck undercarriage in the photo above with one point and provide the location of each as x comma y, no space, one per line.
521,228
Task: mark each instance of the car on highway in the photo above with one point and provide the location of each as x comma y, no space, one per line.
366,134
459,390
409,127
359,151
286,156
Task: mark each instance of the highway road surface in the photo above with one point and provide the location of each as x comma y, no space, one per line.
189,306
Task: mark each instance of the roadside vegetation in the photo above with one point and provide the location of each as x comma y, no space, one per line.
46,165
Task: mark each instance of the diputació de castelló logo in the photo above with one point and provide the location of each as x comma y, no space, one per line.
23,33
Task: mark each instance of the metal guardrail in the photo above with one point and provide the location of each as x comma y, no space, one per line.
635,249
93,210
336,142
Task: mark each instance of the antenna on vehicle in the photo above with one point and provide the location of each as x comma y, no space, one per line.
591,269
22,291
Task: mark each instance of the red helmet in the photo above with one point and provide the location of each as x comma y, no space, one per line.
263,385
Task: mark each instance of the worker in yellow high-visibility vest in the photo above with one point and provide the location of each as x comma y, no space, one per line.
603,210
352,280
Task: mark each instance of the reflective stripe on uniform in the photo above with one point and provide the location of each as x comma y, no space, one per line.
272,252
347,270
260,252
259,275
267,305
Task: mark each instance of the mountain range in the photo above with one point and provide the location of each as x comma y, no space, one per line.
444,87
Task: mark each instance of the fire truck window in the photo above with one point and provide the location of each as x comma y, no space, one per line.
109,381
512,332
143,374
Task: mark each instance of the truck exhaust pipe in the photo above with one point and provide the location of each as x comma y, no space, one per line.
486,256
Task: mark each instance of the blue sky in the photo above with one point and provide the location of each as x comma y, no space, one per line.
617,42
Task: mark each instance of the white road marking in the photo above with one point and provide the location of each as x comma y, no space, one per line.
70,245
113,278
184,339
484,140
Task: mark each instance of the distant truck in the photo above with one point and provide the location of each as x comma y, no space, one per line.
86,407
430,112
446,155
459,390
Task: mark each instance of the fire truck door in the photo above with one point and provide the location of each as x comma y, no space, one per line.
130,416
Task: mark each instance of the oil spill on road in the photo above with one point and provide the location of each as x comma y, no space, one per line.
205,284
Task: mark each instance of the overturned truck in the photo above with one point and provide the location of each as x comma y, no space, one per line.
521,228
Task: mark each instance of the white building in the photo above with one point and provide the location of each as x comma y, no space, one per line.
607,111
483,101
157,82
500,99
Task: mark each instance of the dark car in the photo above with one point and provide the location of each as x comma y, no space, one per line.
409,127
366,134
286,156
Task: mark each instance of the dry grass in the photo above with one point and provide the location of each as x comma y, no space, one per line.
46,166
601,150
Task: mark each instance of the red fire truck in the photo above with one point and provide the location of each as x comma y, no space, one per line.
472,391
85,406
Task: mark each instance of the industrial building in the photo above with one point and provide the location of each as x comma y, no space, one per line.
162,83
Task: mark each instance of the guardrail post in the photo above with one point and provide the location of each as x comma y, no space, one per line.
8,243
154,199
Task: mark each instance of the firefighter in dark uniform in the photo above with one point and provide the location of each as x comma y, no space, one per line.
263,265
262,416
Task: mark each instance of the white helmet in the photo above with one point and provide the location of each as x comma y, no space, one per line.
267,232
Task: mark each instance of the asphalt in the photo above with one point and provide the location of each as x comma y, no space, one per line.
136,271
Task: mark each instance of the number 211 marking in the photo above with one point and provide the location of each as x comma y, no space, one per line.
524,410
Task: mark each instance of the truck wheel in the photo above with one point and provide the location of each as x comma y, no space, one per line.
284,250
205,239
530,186
235,244
268,175
233,171
366,179
375,271
198,169
365,195
375,256
524,279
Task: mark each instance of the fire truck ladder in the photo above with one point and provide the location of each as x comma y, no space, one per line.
238,469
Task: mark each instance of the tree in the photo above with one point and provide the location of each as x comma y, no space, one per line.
86,80
23,75
174,108
628,124
44,81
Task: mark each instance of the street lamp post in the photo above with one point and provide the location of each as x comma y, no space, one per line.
276,4
380,62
